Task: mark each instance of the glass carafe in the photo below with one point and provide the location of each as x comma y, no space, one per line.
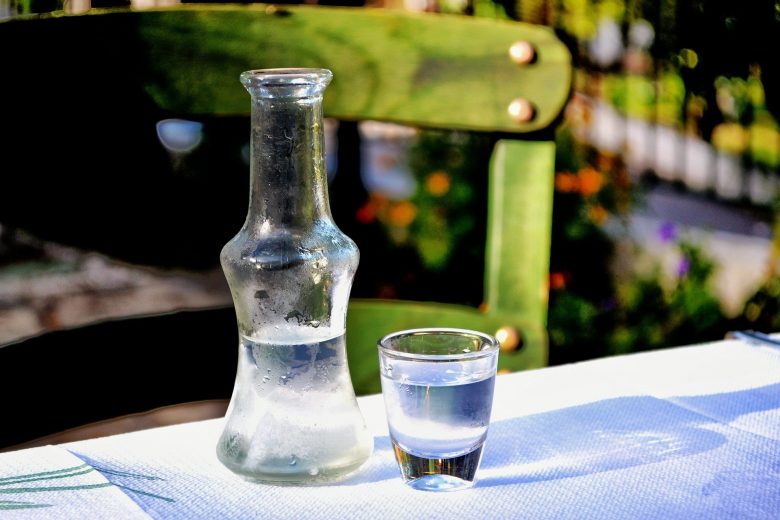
293,416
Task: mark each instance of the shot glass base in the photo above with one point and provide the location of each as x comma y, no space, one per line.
438,474
439,483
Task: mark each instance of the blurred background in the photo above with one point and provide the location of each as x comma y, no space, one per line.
665,228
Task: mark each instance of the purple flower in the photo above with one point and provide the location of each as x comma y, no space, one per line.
610,304
683,267
667,232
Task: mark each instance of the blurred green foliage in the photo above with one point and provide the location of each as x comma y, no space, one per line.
596,311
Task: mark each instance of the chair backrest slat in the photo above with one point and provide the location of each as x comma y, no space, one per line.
433,71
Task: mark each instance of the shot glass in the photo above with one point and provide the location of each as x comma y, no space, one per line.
438,391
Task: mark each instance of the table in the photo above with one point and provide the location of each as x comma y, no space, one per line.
690,432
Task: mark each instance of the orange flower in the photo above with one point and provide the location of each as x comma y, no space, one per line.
438,183
557,281
402,214
591,181
597,213
365,214
566,182
605,161
374,208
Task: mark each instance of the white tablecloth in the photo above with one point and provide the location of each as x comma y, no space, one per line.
689,432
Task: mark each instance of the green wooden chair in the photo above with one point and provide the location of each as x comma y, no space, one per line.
429,71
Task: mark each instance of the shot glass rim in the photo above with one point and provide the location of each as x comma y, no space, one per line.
490,348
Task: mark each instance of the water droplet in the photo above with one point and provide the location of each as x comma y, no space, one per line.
293,460
466,350
266,379
314,471
268,370
389,368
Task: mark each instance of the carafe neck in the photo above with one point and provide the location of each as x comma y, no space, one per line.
287,167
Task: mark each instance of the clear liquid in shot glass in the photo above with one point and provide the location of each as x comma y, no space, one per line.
438,416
